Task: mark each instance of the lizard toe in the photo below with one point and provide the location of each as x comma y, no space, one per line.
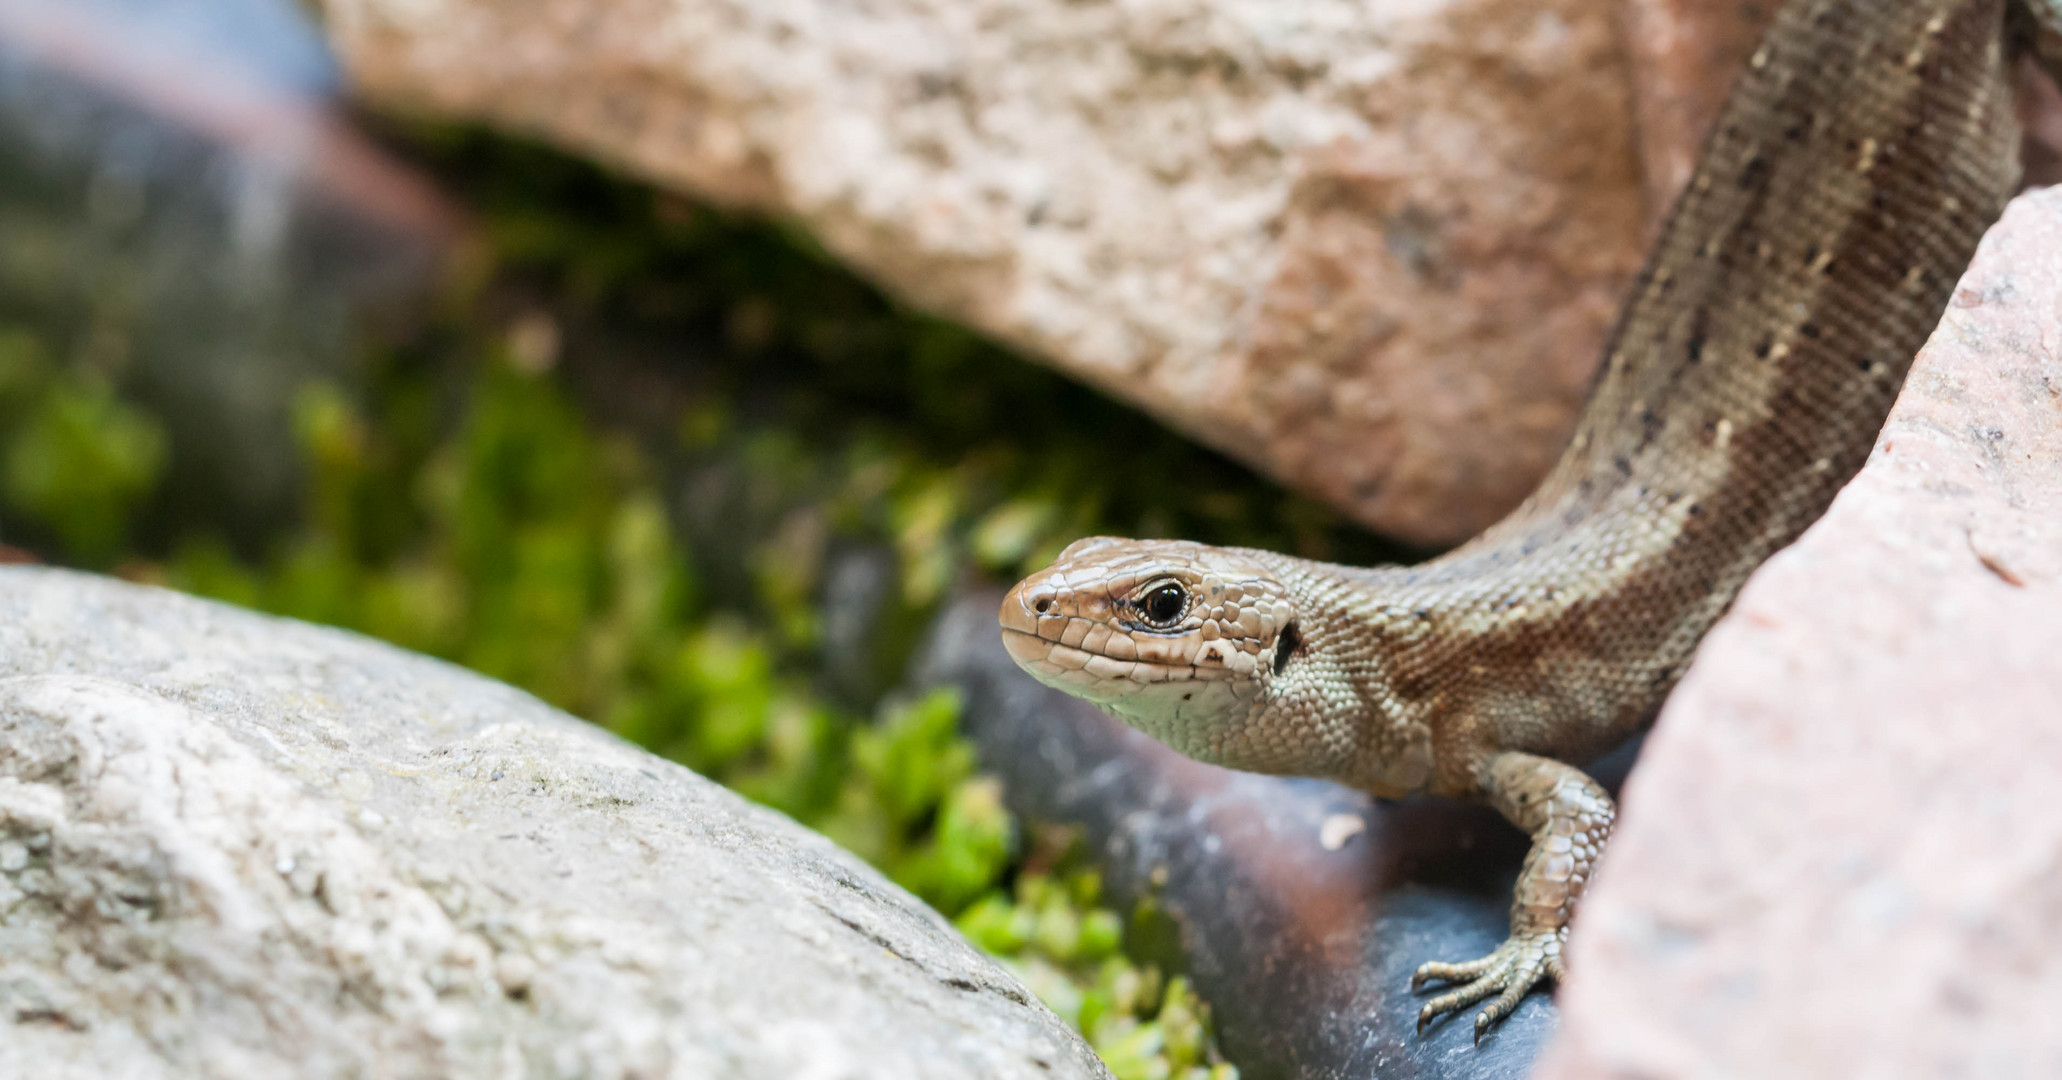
1435,971
1518,965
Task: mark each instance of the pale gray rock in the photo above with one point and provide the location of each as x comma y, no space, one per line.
235,846
1370,248
1841,852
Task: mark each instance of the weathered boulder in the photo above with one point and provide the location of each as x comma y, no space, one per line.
1841,853
1370,248
233,845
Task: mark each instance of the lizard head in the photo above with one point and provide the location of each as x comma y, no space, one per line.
1180,640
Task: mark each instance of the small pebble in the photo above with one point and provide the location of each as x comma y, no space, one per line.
515,972
1340,828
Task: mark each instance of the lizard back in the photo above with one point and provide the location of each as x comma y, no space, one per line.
1863,153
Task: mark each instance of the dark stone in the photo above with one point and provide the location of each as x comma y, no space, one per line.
1304,953
186,209
860,583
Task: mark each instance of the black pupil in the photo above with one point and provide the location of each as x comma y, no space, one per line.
1163,605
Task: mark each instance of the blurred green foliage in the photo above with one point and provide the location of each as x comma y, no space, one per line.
1051,930
617,469
74,460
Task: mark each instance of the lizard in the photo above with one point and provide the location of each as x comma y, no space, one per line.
1861,155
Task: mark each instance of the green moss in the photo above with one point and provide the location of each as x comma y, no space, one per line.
75,462
1050,930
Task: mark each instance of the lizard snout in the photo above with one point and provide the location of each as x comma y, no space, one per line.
1023,609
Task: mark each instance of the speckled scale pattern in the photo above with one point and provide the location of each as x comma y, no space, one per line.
1862,154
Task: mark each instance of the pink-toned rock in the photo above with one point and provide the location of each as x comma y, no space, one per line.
1841,852
1370,248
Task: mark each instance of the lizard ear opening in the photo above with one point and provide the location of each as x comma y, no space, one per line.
1287,644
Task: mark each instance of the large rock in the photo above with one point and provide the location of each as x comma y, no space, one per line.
1370,248
1841,854
238,846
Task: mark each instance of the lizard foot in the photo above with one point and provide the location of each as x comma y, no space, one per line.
1510,972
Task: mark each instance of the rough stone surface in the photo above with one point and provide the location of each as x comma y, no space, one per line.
1369,247
1841,853
238,846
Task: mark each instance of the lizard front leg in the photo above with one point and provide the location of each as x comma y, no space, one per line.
1569,818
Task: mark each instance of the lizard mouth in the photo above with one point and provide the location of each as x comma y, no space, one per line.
1038,642
1063,667
1100,679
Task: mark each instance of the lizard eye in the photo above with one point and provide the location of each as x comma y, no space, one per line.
1163,606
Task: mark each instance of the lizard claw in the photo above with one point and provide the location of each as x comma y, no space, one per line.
1519,964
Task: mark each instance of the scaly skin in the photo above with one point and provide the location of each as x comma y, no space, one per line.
1862,154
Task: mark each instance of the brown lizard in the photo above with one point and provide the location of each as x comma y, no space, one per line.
1860,157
